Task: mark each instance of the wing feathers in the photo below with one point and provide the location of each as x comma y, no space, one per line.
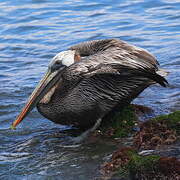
113,56
116,48
126,71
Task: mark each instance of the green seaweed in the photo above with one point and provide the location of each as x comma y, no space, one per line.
142,163
138,165
172,120
122,122
126,163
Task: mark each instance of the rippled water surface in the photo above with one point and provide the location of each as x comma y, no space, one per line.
32,32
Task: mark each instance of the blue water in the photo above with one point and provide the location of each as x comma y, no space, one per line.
32,32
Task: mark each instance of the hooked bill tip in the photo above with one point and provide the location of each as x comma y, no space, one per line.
12,127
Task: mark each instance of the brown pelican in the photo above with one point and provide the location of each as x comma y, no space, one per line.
90,79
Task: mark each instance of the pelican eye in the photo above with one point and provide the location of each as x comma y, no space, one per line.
58,62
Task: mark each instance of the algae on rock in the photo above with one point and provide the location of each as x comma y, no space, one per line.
161,130
128,164
121,123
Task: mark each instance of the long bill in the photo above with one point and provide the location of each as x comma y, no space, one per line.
46,83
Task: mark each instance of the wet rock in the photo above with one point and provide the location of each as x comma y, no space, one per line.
169,166
119,159
153,135
120,124
142,112
123,123
162,130
126,163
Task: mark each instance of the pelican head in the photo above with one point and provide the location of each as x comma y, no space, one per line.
61,60
55,69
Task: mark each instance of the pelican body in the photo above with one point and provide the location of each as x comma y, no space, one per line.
90,79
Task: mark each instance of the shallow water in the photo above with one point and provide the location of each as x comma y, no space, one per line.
32,32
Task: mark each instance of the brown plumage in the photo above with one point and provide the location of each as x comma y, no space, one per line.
106,74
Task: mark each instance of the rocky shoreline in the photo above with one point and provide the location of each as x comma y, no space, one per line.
146,157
